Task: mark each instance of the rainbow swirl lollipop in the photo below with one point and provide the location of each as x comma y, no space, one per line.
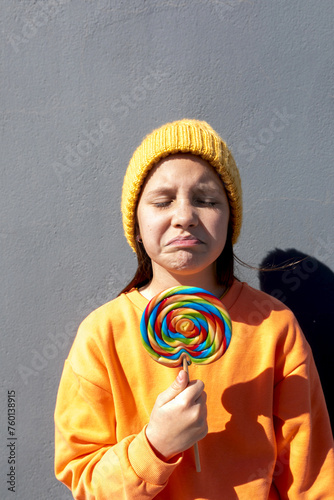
185,322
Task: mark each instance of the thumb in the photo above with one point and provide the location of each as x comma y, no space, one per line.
177,386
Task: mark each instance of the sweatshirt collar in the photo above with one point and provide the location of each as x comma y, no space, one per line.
228,299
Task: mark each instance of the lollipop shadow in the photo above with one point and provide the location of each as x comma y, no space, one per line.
308,290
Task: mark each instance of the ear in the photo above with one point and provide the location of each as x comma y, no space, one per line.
137,232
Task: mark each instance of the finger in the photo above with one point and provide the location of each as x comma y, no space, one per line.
193,392
202,398
178,385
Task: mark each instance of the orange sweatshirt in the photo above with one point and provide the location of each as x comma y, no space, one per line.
269,433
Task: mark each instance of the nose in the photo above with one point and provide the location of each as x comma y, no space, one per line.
185,215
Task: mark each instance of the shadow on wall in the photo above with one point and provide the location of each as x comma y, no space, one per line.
308,290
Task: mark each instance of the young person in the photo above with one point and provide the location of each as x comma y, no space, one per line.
126,425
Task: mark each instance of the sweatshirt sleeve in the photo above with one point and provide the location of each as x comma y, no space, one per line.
305,459
88,458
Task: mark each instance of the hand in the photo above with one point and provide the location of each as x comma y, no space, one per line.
178,418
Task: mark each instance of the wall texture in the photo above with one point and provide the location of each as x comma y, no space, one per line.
82,82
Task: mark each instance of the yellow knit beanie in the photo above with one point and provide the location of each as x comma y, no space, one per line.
183,136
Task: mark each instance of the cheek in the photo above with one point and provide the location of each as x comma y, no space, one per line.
145,224
218,225
150,224
142,221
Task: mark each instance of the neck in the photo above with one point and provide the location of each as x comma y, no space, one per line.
162,281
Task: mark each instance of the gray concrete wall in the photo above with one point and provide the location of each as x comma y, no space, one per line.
82,82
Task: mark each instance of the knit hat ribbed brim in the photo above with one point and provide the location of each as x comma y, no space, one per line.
183,136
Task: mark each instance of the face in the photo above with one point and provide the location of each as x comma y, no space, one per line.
183,216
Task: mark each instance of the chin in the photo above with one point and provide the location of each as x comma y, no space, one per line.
188,265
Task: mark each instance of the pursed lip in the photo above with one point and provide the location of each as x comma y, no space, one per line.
184,241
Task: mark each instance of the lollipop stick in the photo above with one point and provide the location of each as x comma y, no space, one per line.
196,452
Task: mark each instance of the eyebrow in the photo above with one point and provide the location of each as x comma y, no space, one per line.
204,189
160,190
207,189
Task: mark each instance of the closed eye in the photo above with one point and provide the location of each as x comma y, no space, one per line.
207,203
162,204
